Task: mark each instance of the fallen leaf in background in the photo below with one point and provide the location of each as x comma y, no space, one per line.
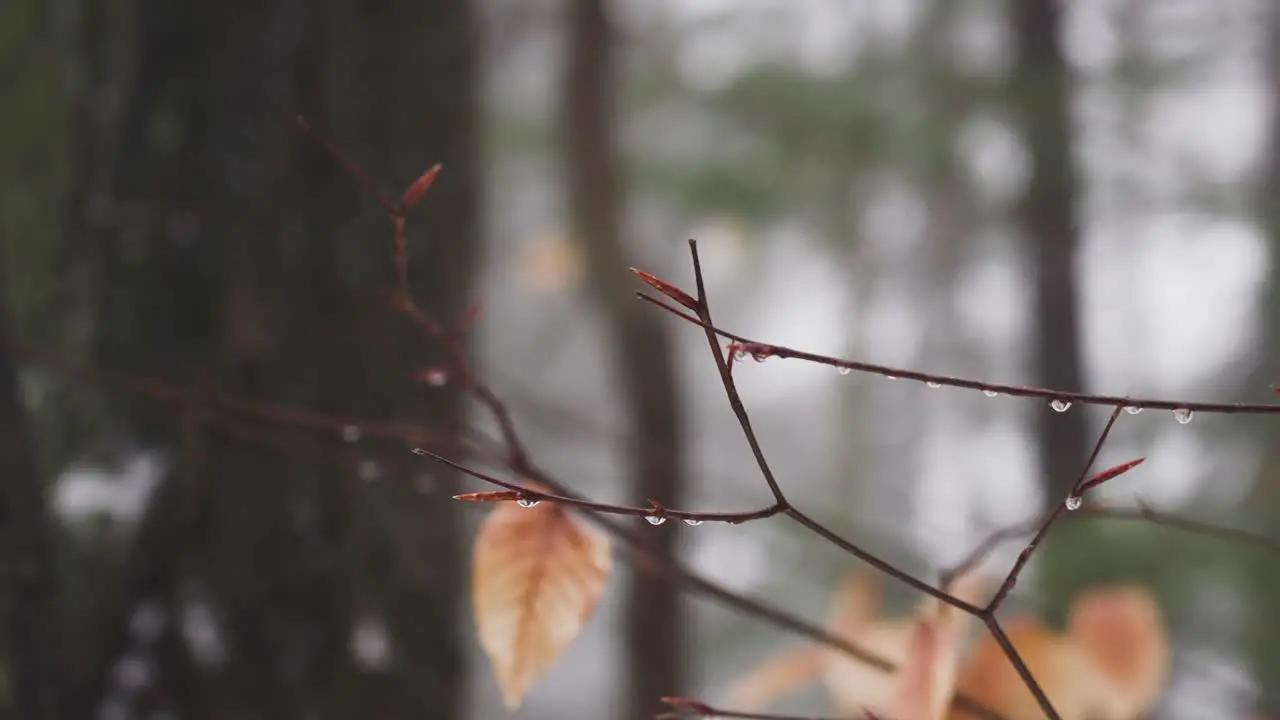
1123,631
854,686
925,682
855,603
1110,665
537,574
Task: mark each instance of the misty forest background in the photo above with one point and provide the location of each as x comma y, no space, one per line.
1082,199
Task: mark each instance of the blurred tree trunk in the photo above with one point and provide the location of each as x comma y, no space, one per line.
641,343
30,651
1265,577
228,246
1047,215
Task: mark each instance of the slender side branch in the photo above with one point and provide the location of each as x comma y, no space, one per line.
655,511
997,632
763,350
1072,501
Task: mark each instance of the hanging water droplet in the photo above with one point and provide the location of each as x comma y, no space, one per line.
436,377
890,377
1182,415
1060,405
692,522
1133,410
844,370
525,502
351,433
990,393
655,519
934,385
1074,502
759,356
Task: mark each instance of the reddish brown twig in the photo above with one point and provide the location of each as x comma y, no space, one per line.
656,514
1025,556
763,350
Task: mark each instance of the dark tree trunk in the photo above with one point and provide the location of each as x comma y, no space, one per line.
253,260
1047,215
31,650
642,348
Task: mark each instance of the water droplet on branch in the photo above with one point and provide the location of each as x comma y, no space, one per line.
1182,415
1074,502
1133,410
435,377
844,370
990,393
525,502
692,522
1060,405
934,385
655,519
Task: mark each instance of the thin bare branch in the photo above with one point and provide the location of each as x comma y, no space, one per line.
766,350
655,513
997,632
1073,499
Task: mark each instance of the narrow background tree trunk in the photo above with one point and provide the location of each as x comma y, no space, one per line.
1048,218
641,344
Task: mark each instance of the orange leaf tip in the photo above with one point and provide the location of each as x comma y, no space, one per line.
667,289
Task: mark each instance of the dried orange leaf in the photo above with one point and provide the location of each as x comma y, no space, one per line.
537,573
667,289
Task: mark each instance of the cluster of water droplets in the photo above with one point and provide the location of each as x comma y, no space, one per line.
1182,415
660,519
528,502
